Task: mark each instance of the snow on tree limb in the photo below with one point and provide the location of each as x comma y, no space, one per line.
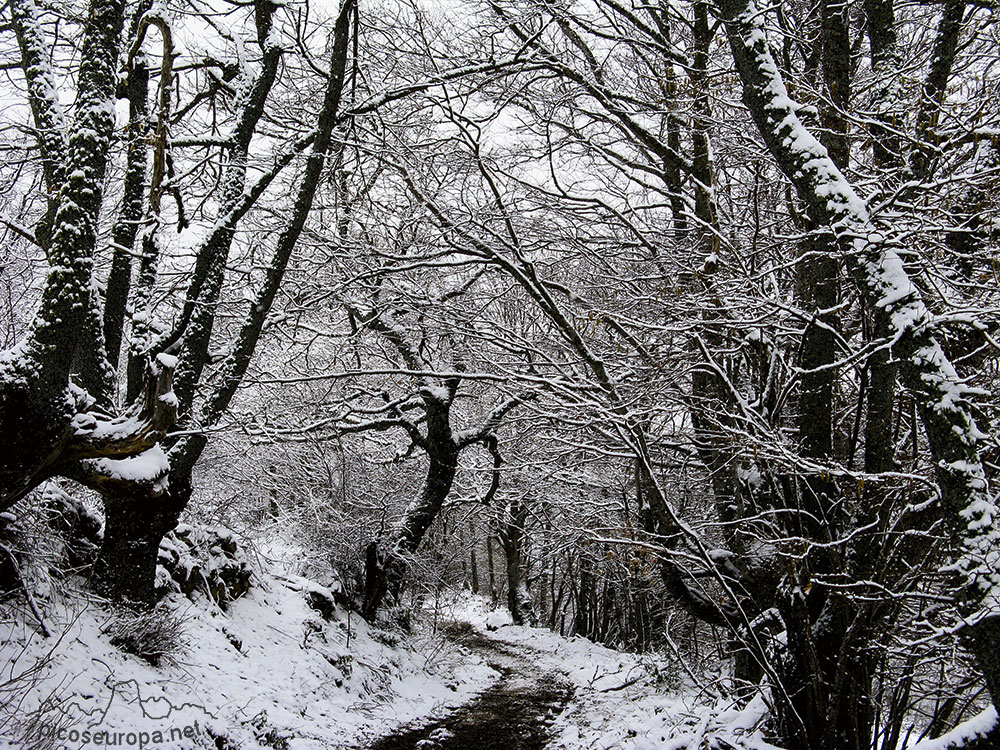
138,430
96,449
875,265
966,735
43,96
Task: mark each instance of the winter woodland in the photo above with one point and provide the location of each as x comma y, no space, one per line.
377,373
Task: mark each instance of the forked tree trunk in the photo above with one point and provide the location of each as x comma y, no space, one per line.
126,566
825,701
387,559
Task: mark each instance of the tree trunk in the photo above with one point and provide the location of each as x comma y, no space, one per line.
387,560
491,570
825,701
473,562
512,535
135,523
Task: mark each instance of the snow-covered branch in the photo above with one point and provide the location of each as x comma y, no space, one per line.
875,264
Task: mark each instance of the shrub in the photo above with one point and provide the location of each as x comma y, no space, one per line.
154,635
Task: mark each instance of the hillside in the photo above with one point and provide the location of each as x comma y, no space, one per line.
282,666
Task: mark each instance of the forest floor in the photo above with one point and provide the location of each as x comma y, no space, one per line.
271,673
561,693
515,713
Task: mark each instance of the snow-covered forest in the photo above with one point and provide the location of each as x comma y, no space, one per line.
524,374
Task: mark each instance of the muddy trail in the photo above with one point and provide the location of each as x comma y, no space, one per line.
515,713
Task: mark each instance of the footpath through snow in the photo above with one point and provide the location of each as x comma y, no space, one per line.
515,713
617,700
272,672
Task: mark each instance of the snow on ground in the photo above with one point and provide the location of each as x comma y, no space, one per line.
622,701
270,672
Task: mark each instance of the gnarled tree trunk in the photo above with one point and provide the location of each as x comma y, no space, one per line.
387,559
126,565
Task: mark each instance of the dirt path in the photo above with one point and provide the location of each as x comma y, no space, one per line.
516,713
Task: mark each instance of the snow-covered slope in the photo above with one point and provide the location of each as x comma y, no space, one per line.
270,672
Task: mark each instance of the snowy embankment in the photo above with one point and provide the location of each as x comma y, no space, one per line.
273,672
270,672
281,666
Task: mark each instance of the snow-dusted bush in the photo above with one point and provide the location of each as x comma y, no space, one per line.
43,538
268,735
154,635
76,523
